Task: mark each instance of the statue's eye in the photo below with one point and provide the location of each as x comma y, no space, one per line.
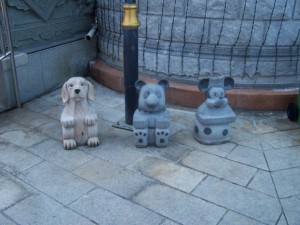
158,94
70,85
146,94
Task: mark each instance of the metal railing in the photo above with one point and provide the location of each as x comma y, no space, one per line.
6,48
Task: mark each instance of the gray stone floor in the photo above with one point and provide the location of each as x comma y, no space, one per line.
254,179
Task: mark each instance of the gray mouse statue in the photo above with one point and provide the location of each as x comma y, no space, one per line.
214,115
151,120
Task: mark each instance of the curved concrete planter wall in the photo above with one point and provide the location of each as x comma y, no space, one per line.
188,40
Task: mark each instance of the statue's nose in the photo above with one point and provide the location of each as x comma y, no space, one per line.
77,91
152,100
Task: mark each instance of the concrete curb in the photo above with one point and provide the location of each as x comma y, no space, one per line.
190,96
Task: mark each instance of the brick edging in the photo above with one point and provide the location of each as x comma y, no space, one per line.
189,95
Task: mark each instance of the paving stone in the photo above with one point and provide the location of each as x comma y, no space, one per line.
39,209
23,138
185,137
177,176
168,222
56,182
173,152
219,167
109,114
262,182
39,105
28,118
291,207
3,175
118,150
5,221
182,117
107,97
264,126
265,145
246,139
53,151
283,158
256,123
282,220
244,123
8,125
283,139
178,206
16,160
53,96
287,182
175,127
52,129
11,192
104,207
107,129
239,199
233,218
112,177
249,156
54,112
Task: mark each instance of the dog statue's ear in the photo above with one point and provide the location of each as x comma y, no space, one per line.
91,92
64,93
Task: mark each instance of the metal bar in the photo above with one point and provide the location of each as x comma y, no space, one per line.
130,26
2,46
12,55
130,73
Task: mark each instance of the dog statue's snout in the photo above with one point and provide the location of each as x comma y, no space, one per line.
77,91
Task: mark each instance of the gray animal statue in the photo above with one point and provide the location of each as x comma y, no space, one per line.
213,117
151,120
78,119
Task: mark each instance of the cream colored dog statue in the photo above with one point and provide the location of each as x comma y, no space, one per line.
78,119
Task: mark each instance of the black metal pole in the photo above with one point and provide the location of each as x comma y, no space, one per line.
130,26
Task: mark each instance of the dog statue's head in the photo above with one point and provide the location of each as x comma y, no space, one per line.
77,89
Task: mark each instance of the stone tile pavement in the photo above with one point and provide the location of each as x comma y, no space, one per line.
254,179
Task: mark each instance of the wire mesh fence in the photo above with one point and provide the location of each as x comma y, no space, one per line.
254,41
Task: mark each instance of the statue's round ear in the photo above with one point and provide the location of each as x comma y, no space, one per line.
203,85
228,83
139,84
91,92
64,93
164,84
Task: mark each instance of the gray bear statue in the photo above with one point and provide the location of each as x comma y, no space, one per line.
151,120
213,117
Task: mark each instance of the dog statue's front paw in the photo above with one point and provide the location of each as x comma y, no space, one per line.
90,120
93,141
69,144
68,122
